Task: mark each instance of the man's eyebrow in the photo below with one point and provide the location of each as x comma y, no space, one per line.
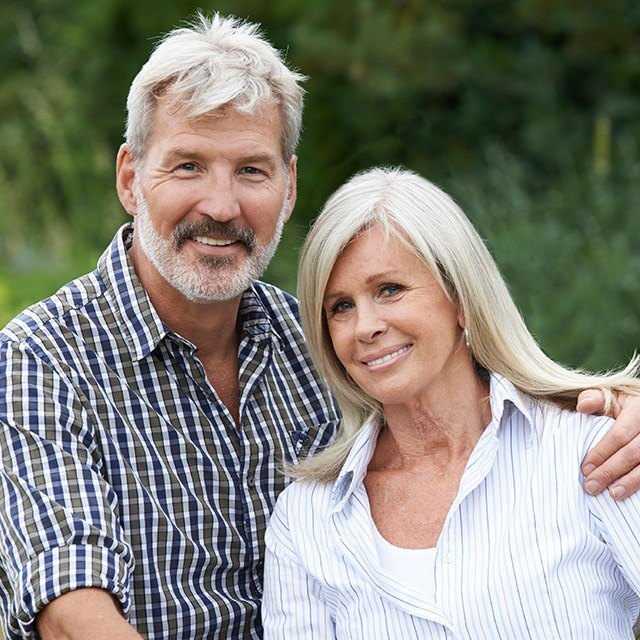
177,154
260,159
180,153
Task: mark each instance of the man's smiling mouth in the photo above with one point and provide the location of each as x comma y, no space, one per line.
213,242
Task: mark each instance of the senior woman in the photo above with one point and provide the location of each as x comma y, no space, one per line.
451,505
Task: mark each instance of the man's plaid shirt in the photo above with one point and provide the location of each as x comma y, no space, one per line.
121,469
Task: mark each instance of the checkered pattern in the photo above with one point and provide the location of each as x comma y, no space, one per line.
121,469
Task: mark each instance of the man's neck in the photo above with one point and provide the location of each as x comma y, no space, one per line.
211,327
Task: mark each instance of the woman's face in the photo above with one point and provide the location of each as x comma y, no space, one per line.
392,326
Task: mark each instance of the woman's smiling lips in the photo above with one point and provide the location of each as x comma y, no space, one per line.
384,356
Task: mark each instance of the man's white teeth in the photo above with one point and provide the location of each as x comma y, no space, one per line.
213,242
389,356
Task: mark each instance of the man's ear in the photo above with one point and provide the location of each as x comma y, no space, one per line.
292,193
125,177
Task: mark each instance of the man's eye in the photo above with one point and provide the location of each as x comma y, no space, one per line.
187,166
251,171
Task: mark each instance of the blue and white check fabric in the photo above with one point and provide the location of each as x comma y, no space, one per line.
121,468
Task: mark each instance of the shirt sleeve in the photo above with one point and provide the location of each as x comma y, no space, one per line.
618,522
58,525
293,603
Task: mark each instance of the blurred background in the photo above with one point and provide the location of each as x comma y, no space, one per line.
527,112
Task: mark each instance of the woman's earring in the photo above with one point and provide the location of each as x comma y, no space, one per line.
465,331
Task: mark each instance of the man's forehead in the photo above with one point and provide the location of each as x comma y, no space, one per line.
264,123
175,105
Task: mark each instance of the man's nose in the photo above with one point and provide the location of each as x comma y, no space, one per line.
219,199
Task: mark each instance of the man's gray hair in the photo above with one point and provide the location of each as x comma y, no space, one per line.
210,64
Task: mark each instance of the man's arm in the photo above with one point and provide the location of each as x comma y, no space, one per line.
58,513
615,461
84,614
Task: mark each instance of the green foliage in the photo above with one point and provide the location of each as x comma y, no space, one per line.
495,100
569,249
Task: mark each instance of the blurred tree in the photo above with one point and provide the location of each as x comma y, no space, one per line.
494,99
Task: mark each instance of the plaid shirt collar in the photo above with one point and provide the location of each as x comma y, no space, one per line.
142,327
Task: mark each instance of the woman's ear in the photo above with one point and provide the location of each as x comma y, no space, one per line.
462,323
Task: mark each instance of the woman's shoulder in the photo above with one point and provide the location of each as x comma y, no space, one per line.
549,421
579,428
298,524
302,501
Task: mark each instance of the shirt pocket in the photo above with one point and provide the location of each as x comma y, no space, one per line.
311,436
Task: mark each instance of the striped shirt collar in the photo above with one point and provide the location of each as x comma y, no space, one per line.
141,325
504,399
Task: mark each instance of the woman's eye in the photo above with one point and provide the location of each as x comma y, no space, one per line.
340,307
187,166
391,289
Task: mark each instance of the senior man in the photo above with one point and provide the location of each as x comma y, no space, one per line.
147,405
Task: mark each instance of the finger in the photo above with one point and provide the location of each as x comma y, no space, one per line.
628,484
590,401
623,431
617,467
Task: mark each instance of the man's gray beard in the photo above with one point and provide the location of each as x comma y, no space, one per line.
209,279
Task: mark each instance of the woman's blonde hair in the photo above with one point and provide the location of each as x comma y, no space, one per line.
406,206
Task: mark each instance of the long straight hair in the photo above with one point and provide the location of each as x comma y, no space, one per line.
406,206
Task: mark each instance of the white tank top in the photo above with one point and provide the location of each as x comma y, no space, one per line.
414,567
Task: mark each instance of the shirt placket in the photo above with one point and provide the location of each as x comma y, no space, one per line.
254,357
240,458
449,576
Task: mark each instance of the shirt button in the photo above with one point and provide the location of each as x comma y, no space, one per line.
251,482
448,558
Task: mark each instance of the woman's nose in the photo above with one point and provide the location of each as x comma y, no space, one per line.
370,324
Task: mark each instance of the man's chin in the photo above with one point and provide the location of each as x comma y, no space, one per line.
206,286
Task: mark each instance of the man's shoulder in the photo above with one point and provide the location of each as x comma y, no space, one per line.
53,314
281,308
276,300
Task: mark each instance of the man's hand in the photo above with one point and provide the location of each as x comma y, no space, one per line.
614,461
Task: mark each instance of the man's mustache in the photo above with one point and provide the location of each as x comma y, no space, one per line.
224,230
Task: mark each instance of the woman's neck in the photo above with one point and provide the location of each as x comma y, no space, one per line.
444,427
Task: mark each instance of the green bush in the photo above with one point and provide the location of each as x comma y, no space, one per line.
526,112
